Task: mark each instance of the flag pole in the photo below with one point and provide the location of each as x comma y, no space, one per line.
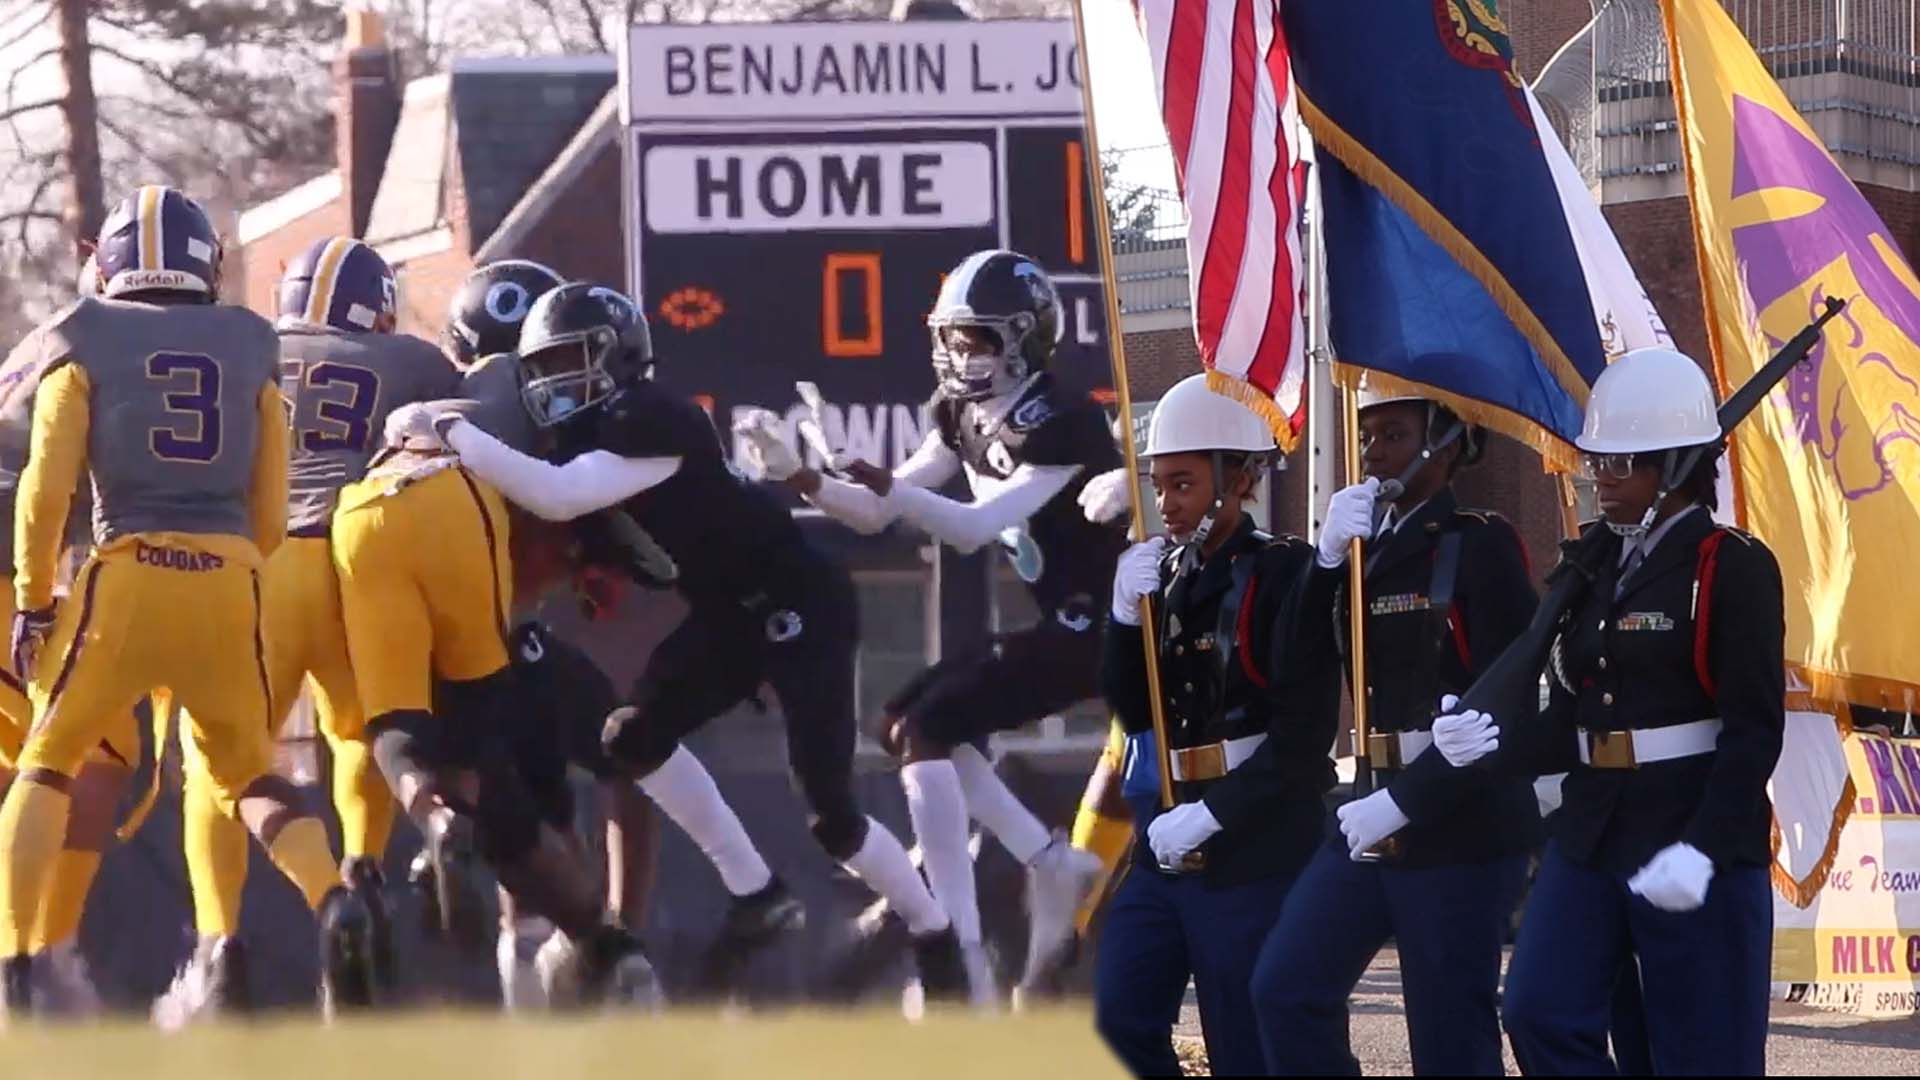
1117,353
1320,414
1357,607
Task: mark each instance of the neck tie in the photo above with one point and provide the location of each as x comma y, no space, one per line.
1634,555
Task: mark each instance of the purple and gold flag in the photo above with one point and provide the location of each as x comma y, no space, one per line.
1828,472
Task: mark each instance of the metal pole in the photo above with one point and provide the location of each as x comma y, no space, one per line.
1116,351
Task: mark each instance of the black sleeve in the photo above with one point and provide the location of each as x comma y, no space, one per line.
645,421
1123,676
1496,602
1302,695
1075,437
609,538
1501,599
1746,645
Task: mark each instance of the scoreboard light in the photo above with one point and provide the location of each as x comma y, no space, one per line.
692,308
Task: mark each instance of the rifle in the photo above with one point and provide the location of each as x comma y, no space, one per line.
1510,685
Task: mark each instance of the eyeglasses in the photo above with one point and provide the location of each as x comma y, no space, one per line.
1617,466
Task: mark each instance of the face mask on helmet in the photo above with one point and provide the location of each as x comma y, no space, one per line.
568,375
976,358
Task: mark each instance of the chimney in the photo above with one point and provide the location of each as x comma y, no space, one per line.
367,107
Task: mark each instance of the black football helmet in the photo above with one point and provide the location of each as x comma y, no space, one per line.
996,321
577,345
486,313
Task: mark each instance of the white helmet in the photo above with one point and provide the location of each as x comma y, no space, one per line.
1369,396
1194,419
1649,399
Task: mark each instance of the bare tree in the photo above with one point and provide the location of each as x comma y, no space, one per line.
226,97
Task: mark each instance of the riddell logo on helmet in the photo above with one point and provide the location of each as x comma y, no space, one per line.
134,280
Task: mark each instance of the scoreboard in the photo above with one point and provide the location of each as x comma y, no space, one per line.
796,191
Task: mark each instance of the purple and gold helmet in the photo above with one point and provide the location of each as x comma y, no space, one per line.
158,241
338,283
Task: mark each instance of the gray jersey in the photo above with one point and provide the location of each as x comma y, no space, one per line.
340,388
175,412
20,377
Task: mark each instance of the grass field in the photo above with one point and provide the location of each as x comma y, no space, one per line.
476,1045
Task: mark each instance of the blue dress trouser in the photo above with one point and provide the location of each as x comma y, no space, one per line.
1161,930
1449,923
1705,974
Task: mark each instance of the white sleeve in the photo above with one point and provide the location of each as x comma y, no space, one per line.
590,482
967,527
932,465
858,508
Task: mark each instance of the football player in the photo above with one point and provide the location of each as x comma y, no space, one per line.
485,316
342,369
1027,451
62,969
563,688
766,606
423,549
166,401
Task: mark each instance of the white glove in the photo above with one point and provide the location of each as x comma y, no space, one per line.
411,427
1349,517
764,451
1137,575
1676,879
1370,820
1464,738
1107,496
1181,830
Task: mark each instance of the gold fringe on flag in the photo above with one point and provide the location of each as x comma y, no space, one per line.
1259,401
1801,893
1556,455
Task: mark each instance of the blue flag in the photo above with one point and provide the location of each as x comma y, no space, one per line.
1451,270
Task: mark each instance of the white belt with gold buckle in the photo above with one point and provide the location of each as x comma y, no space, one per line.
1214,760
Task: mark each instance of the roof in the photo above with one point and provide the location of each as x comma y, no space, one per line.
595,134
497,125
287,207
501,120
409,202
511,120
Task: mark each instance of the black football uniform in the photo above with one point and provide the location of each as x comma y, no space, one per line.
1066,561
766,606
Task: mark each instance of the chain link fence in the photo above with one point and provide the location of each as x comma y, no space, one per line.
1149,231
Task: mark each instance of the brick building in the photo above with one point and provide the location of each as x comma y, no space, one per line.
494,158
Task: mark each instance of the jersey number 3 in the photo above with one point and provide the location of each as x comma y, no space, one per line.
193,395
353,417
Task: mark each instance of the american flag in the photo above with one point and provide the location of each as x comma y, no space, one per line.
1227,99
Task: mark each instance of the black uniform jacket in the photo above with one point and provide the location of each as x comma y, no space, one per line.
1637,662
1254,668
1447,590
